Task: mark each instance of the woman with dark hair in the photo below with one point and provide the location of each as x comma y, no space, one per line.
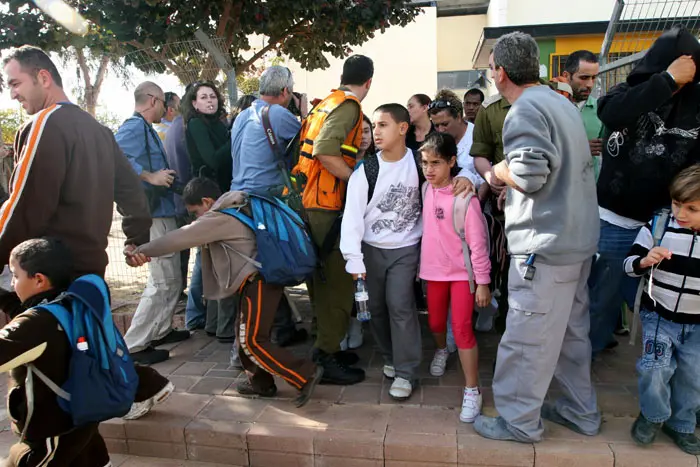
207,134
242,104
421,126
367,145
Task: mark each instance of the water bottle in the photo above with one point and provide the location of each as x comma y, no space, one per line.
362,300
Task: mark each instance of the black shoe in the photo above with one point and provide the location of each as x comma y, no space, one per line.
688,442
346,358
149,356
612,344
308,389
246,388
334,372
226,340
176,335
549,412
644,432
297,337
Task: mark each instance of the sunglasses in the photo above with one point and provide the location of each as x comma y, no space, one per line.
440,105
156,98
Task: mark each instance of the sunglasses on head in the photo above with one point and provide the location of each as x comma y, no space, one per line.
440,105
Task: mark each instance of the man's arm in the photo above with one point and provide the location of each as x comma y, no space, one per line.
36,191
328,143
130,138
531,153
352,229
131,201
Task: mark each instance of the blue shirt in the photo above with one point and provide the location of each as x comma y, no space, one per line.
131,138
255,167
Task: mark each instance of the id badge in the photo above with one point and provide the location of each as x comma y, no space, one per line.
530,272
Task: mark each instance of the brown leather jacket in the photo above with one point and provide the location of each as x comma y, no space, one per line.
228,247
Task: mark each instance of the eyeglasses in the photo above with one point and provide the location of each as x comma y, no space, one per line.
441,105
157,98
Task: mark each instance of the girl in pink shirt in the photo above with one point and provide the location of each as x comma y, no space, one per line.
443,267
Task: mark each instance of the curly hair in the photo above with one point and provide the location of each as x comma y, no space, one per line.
187,108
449,101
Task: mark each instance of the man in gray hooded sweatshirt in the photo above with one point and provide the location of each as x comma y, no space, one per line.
552,229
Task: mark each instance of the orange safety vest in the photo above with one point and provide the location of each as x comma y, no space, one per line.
322,190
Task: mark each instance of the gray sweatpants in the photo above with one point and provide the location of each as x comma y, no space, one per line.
153,318
394,323
546,336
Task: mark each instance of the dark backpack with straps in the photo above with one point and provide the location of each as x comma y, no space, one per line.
371,164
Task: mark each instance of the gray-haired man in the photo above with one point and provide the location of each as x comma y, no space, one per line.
552,228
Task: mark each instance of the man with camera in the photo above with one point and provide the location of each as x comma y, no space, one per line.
152,322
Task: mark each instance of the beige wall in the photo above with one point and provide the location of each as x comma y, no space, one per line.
528,12
405,63
457,38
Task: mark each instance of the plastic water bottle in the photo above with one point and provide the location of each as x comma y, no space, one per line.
362,300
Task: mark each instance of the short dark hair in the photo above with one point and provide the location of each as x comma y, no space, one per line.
169,98
475,92
444,146
574,60
33,60
47,256
199,188
685,187
357,70
397,111
422,99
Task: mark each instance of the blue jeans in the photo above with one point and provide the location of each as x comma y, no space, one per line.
608,285
669,376
196,312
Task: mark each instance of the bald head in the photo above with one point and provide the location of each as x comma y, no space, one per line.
146,91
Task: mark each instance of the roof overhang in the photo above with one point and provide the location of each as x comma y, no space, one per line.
456,7
539,31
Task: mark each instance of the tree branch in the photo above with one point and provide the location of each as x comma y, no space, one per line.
160,58
82,63
271,44
101,72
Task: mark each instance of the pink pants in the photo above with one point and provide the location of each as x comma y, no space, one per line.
443,294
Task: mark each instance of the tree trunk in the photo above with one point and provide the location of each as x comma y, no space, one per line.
92,91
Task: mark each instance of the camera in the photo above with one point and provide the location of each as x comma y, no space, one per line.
292,107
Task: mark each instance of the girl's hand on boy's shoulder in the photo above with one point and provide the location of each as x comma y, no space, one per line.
655,256
483,295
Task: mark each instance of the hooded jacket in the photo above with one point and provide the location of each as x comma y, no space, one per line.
228,247
652,133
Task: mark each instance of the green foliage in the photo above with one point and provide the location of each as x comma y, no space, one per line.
247,84
11,121
109,119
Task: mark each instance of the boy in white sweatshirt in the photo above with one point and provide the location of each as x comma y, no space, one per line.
380,240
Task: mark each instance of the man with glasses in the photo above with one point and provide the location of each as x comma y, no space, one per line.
152,322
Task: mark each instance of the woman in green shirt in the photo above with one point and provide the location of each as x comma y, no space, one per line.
208,141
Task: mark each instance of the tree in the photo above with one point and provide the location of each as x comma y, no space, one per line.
11,121
23,23
304,30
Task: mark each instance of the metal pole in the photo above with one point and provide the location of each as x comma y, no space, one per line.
607,44
222,62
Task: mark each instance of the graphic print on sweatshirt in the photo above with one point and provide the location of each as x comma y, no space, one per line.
401,208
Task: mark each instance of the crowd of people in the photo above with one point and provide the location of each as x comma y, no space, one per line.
592,196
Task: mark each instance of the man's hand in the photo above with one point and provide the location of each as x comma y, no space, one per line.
501,202
164,177
484,193
596,147
134,259
483,296
683,70
655,256
462,185
501,171
497,185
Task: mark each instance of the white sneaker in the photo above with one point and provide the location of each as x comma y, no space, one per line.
139,409
471,406
401,389
437,366
344,343
389,371
355,334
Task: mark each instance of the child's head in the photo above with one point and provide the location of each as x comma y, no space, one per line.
39,265
439,159
390,123
685,196
200,194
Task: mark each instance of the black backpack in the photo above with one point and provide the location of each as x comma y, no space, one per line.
371,163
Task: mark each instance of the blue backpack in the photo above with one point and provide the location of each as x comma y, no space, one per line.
101,380
286,253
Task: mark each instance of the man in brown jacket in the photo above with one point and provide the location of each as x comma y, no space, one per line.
69,172
228,268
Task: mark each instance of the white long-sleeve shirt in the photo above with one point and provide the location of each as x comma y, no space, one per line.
390,220
465,161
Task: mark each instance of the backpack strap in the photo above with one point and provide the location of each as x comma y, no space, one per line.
241,216
371,163
460,206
